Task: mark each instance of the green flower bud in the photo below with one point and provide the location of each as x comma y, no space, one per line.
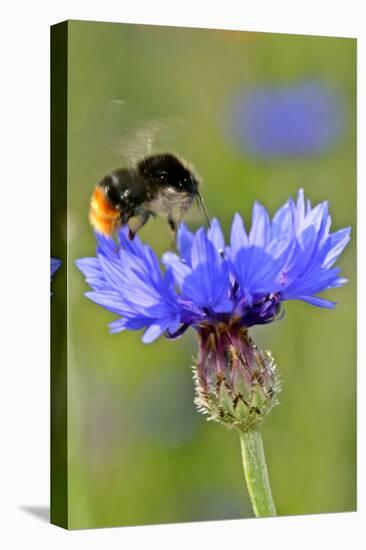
236,383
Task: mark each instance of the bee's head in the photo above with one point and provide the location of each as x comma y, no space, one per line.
168,171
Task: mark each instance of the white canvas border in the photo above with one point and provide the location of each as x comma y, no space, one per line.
25,269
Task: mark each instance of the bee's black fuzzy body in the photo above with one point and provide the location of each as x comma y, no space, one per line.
159,184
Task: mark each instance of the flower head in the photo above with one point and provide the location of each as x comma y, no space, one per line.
290,257
221,290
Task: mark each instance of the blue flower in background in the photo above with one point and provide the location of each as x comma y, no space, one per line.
290,257
302,119
55,264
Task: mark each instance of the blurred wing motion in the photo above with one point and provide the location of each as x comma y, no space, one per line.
135,142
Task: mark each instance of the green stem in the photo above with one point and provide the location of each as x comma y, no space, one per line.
256,474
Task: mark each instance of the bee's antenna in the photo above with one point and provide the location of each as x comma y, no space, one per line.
202,207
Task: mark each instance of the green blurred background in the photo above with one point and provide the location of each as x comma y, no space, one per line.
138,451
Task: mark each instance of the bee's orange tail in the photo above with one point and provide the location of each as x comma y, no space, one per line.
103,216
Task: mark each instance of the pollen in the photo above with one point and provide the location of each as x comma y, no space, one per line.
103,216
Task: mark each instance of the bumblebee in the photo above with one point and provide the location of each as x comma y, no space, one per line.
159,184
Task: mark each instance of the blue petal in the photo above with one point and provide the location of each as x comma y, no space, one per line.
184,242
316,216
112,271
155,330
238,237
338,242
179,269
110,300
256,271
311,283
282,222
203,251
134,247
208,288
89,266
216,236
259,233
55,264
279,246
117,326
319,302
299,210
106,245
338,282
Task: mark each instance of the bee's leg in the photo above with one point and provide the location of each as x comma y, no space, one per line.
133,228
173,227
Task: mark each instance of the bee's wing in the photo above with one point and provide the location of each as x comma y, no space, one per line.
140,142
134,141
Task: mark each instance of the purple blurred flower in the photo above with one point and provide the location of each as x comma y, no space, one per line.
290,257
55,264
272,122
